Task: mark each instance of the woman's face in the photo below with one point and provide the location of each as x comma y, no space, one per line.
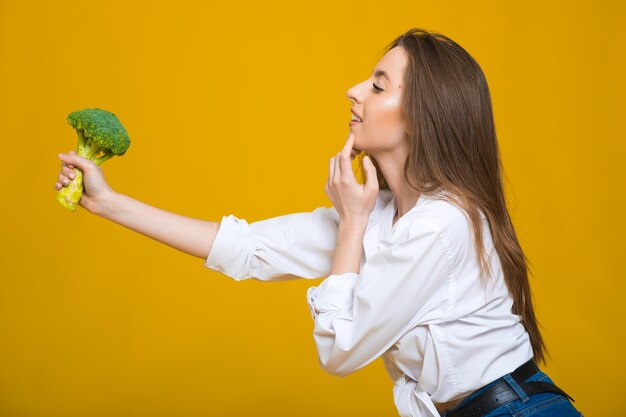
377,103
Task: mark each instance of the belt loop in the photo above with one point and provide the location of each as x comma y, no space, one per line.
516,387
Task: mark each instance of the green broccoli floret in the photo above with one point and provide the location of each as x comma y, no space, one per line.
100,136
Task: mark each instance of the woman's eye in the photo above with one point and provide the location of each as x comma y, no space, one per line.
377,88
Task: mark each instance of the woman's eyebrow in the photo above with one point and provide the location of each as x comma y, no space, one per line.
381,73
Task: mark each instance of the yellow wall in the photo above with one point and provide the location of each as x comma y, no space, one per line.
236,108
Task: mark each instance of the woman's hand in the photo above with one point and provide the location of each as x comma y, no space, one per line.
96,188
353,201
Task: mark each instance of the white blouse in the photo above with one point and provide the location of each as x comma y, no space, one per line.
418,301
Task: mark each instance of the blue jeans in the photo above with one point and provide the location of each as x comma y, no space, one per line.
543,404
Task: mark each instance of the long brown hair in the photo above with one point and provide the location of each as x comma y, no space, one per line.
446,107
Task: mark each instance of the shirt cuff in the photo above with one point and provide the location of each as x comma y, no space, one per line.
333,294
232,248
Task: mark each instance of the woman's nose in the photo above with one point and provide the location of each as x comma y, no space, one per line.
353,94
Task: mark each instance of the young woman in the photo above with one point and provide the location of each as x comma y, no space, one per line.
422,264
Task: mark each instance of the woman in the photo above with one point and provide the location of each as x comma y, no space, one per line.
422,264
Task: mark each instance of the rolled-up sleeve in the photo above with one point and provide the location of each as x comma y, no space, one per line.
359,316
333,294
298,245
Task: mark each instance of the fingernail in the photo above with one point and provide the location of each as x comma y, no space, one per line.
71,175
65,182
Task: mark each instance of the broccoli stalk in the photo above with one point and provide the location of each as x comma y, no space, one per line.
101,136
92,150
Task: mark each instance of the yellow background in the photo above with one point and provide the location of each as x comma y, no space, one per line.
236,108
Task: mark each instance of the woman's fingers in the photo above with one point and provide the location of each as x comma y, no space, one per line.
337,167
72,153
330,176
63,179
346,165
341,164
66,175
71,159
331,167
347,147
67,171
344,157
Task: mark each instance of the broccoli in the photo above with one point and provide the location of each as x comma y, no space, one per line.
100,136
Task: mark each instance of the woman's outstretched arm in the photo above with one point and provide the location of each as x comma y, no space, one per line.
192,236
